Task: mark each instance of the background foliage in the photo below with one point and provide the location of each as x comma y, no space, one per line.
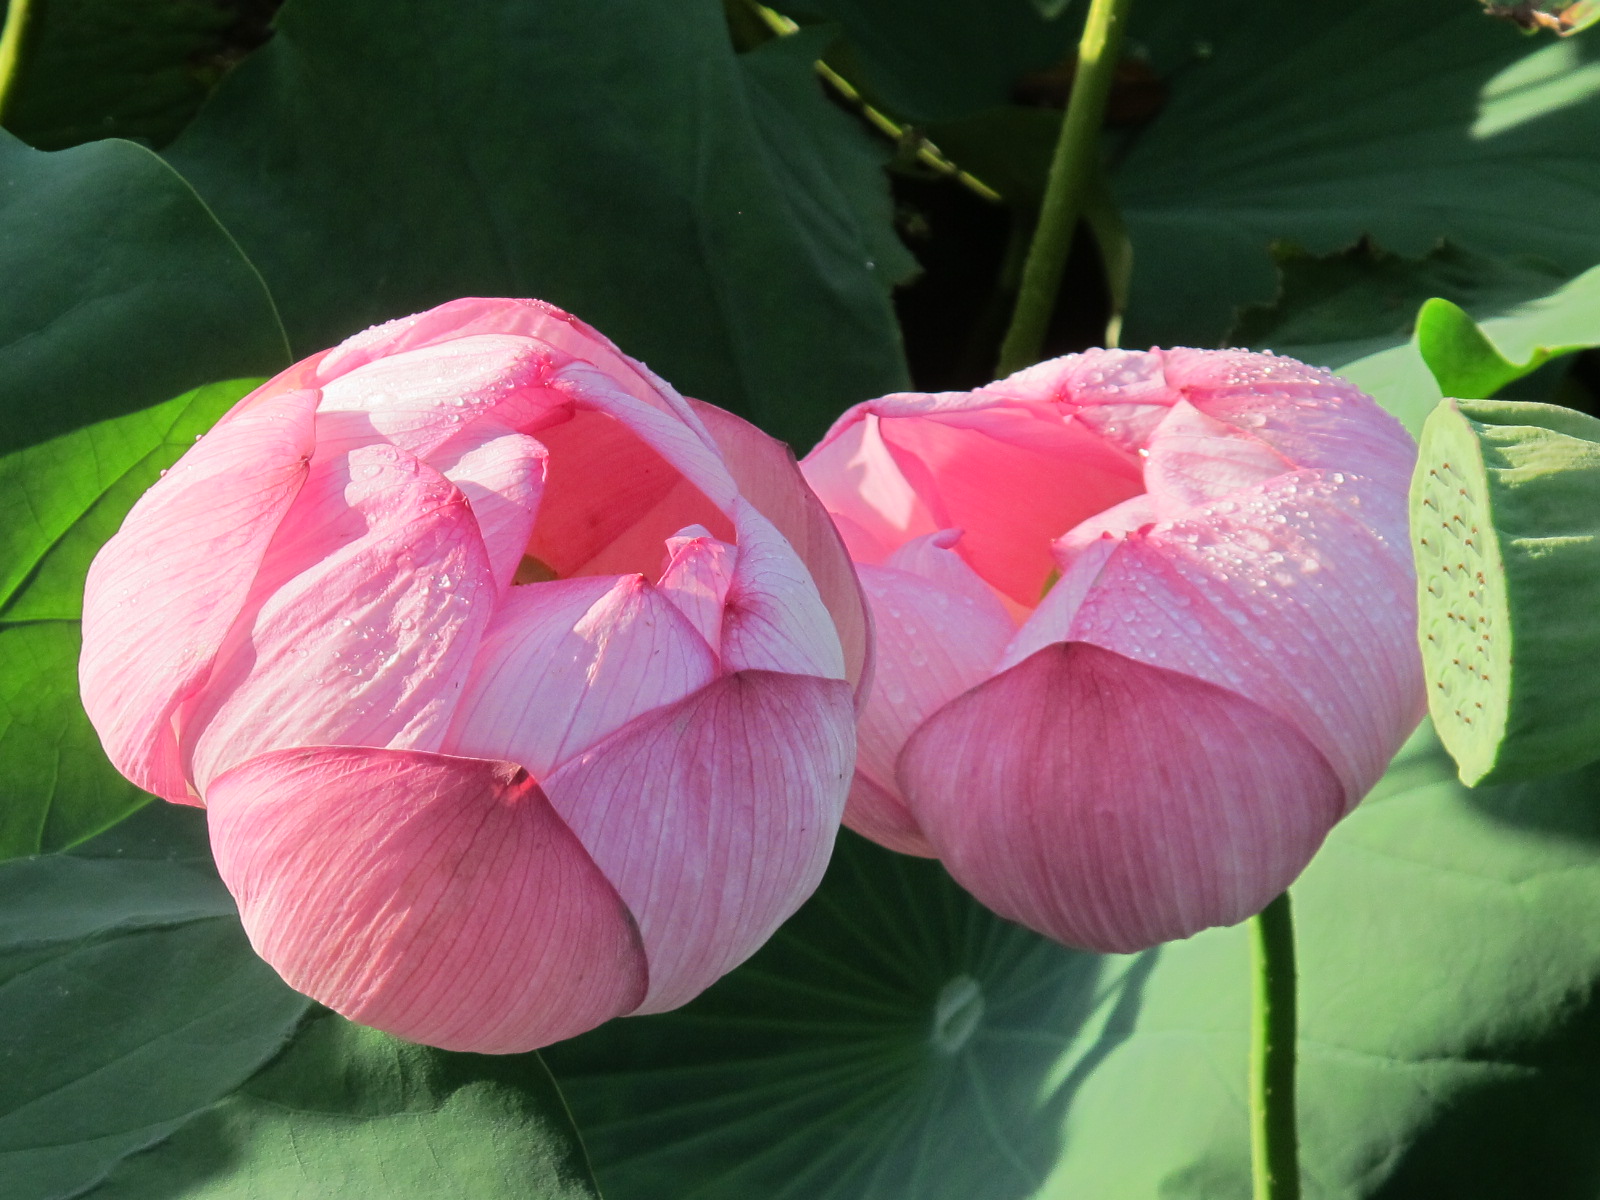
1301,180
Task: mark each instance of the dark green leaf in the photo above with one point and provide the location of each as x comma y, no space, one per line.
615,158
121,291
894,1040
92,69
1407,123
346,1113
131,1001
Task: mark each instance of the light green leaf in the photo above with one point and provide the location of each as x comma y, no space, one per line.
895,1041
131,1001
616,158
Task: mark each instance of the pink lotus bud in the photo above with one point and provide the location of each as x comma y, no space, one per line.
1145,627
519,690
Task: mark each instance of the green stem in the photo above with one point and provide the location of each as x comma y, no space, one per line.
1066,185
16,28
1274,1141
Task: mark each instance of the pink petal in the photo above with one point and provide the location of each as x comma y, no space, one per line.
880,814
862,487
698,574
611,500
1310,416
438,899
565,335
714,817
420,399
775,619
568,662
1118,520
1271,593
1013,477
363,622
1122,395
502,478
1195,458
1113,805
164,590
940,632
768,476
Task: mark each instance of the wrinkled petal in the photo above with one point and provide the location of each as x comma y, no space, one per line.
420,399
502,478
940,632
362,625
1116,521
1013,478
774,619
565,663
1270,593
163,592
714,817
438,899
1194,458
1114,805
768,477
698,574
1120,394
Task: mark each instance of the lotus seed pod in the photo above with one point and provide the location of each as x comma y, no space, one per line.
1505,521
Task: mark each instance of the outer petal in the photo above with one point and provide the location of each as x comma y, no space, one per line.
768,477
438,899
1194,458
362,625
862,486
774,619
1309,415
714,817
1113,805
940,632
1270,593
568,662
1120,394
163,592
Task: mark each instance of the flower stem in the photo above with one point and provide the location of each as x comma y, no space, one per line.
11,45
1274,1141
1068,181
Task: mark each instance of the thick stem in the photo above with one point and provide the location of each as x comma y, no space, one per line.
1274,1140
1070,172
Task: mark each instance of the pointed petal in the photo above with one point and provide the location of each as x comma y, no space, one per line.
1116,521
502,478
1113,805
768,477
163,592
1013,477
363,623
1270,593
566,663
714,817
698,574
1194,458
774,619
438,899
939,633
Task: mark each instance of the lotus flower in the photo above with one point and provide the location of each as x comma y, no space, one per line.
1145,630
518,689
